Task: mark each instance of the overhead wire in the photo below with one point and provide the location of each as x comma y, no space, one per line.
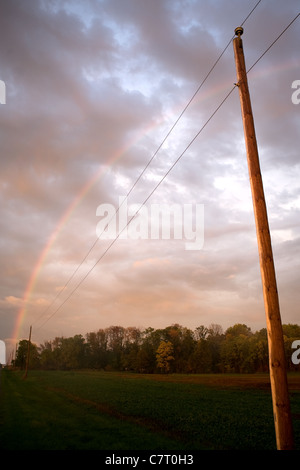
142,173
275,40
250,13
139,178
138,210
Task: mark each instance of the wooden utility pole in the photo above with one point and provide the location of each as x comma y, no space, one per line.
28,354
277,364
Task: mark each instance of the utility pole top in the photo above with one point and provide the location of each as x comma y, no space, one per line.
239,31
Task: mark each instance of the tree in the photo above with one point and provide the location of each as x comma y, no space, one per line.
146,359
73,352
46,356
201,359
258,355
97,349
174,348
236,349
235,353
237,330
21,355
115,343
215,338
131,348
200,332
164,356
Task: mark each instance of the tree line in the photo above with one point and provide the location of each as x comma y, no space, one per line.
174,349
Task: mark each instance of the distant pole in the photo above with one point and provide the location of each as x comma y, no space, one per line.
277,364
28,354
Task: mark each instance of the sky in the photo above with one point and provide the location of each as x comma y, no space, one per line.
92,90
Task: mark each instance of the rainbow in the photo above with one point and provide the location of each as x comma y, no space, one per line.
89,184
42,257
61,223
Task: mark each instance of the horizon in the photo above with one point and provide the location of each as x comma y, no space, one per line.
91,92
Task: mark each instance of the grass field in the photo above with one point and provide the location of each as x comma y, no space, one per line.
122,411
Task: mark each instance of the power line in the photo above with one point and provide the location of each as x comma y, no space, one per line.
145,201
66,284
271,45
142,173
250,13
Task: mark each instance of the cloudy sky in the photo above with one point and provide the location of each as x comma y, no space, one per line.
92,89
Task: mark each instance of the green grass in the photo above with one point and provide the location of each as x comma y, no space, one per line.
123,411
